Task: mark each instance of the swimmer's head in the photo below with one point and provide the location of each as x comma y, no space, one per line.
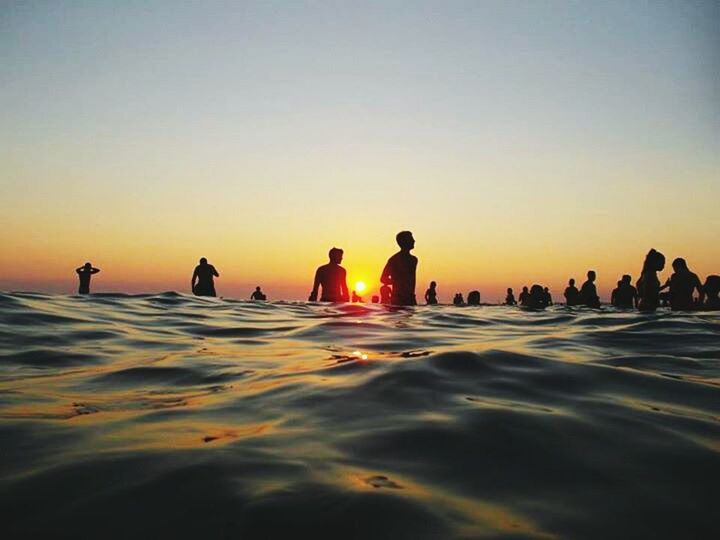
626,279
591,275
509,291
433,284
679,264
336,255
525,289
405,240
203,260
654,261
87,266
571,282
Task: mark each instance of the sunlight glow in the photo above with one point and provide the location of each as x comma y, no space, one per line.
360,286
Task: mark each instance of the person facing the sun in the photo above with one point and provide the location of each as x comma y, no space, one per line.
333,279
400,271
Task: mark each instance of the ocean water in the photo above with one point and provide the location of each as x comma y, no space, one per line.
168,416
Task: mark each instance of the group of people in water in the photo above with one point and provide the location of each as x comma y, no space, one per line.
398,285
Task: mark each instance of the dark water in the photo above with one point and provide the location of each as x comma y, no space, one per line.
170,416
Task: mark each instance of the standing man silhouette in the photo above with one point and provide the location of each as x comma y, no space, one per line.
400,270
84,273
333,279
203,282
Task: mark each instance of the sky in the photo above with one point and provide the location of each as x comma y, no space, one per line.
521,142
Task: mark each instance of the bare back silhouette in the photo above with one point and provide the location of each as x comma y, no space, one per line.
332,278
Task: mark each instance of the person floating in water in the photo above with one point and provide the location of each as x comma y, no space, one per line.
547,297
524,296
712,292
84,273
683,283
572,295
203,279
258,294
624,296
537,298
356,298
510,298
588,292
458,300
399,272
333,279
648,284
431,294
473,298
385,294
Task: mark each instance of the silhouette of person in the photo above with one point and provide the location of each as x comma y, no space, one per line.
204,275
547,297
431,294
458,300
399,272
648,284
588,291
682,284
355,297
572,295
712,292
258,294
524,297
473,298
332,278
84,273
385,294
375,299
624,296
510,298
537,299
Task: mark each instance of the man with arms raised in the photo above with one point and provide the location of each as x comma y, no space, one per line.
400,270
332,278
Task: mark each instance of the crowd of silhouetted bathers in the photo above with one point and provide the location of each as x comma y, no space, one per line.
683,290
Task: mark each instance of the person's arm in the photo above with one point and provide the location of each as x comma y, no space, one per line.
386,276
94,270
700,289
215,272
344,287
316,286
79,270
192,281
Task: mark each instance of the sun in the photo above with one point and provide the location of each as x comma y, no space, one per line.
360,286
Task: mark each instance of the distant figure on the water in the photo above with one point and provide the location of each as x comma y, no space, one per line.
458,300
399,272
333,279
588,292
258,294
547,297
473,298
431,294
712,292
355,297
204,275
84,273
537,299
510,298
648,285
572,295
524,296
375,299
683,283
624,296
385,294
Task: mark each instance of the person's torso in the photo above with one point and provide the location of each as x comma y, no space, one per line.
332,277
402,270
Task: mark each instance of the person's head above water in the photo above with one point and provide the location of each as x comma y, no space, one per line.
87,266
257,288
525,289
591,275
336,255
509,291
433,284
571,282
712,285
654,261
626,279
203,260
546,289
405,240
679,265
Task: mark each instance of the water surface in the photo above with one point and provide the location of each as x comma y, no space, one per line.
173,416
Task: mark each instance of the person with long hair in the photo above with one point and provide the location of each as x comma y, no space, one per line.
648,285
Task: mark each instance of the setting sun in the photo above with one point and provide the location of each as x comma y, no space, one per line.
360,286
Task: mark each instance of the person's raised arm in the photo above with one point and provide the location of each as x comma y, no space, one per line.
316,286
79,270
94,270
215,272
386,276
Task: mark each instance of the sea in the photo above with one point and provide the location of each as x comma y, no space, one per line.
170,416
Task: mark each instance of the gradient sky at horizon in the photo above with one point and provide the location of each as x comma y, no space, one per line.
521,142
